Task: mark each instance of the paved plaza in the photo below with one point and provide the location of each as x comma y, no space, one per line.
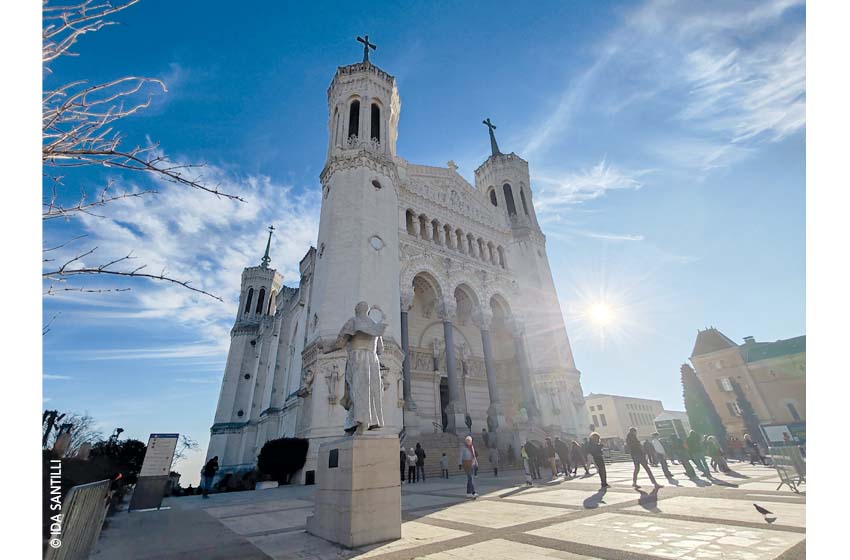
570,520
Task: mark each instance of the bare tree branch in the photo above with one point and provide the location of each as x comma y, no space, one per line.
79,129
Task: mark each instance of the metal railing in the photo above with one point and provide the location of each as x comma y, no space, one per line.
83,512
790,466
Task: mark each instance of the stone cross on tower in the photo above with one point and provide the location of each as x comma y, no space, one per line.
266,258
366,46
490,128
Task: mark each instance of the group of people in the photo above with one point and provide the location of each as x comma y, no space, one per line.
558,455
414,461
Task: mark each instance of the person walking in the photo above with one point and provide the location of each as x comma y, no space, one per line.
444,466
718,460
563,451
468,460
753,450
550,458
420,462
638,458
649,450
493,456
209,471
577,457
402,460
677,446
532,452
594,449
525,464
660,454
588,458
697,452
411,466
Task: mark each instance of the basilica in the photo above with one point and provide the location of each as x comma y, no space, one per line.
458,272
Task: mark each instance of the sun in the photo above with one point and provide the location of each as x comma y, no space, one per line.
601,314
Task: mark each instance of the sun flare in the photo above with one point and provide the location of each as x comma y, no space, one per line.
601,314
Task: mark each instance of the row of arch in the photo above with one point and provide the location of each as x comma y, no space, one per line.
261,300
420,226
507,190
468,304
349,127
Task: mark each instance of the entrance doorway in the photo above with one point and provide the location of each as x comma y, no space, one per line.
444,401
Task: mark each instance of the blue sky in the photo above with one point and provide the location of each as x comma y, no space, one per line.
666,143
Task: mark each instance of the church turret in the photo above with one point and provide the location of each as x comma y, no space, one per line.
246,368
363,107
357,257
506,180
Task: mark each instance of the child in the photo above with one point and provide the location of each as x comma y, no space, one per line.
444,466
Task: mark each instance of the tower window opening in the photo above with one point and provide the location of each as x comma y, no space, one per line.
493,200
522,198
375,129
354,119
509,199
260,299
248,300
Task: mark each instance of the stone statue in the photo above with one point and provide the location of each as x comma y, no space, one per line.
363,394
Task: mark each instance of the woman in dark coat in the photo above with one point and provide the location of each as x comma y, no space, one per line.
638,457
594,449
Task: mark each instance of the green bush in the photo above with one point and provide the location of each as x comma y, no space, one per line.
281,458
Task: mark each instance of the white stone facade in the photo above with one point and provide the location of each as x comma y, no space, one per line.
439,259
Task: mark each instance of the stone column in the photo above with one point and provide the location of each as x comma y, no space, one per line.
524,369
455,409
495,411
406,303
416,226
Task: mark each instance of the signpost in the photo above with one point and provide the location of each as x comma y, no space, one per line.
153,478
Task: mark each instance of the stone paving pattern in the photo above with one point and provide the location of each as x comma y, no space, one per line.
559,519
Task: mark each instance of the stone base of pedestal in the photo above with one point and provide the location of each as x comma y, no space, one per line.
358,497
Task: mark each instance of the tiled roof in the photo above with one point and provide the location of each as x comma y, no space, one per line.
769,350
711,340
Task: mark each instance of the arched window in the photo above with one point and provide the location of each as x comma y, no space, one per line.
522,198
260,300
493,200
354,119
248,300
509,199
375,129
409,222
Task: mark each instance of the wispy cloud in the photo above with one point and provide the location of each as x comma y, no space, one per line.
557,192
48,376
197,237
610,236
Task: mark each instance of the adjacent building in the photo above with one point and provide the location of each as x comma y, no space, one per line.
772,376
613,415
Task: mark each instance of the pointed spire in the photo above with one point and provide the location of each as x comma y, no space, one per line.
266,259
490,128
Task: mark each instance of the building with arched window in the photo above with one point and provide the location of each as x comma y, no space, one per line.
453,263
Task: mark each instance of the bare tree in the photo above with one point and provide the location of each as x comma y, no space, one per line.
184,446
79,129
83,429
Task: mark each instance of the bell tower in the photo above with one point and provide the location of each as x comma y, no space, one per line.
233,433
540,322
357,250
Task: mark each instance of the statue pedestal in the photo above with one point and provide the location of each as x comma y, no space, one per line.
358,496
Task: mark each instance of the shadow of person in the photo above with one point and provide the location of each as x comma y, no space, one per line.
649,500
735,474
719,482
515,491
698,481
593,501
